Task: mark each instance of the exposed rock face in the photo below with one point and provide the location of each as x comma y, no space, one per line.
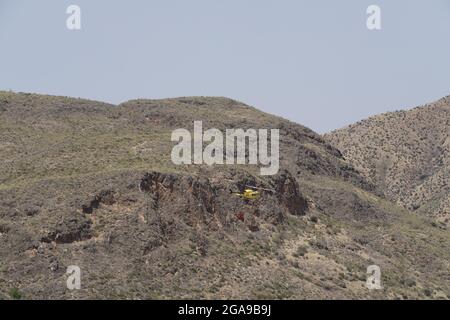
76,228
196,199
105,197
288,194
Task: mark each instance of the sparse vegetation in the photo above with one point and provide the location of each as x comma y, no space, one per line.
301,251
15,294
406,153
91,184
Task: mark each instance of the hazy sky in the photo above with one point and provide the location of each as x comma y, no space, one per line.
313,62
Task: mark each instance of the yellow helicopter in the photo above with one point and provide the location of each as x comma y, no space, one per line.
248,194
251,194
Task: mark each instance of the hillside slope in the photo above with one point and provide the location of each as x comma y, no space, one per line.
91,184
406,153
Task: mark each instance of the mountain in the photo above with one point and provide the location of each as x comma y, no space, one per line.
406,153
89,184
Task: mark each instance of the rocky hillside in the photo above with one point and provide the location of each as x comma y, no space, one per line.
406,153
90,184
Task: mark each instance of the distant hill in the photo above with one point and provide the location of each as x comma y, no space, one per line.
405,153
91,184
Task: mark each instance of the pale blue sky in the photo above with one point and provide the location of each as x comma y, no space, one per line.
313,62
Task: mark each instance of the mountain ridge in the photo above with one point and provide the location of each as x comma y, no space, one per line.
91,184
406,152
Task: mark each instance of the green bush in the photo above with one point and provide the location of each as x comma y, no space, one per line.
15,294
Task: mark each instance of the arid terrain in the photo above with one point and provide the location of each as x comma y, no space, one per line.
92,184
406,154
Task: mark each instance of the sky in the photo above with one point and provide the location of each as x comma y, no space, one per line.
314,62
